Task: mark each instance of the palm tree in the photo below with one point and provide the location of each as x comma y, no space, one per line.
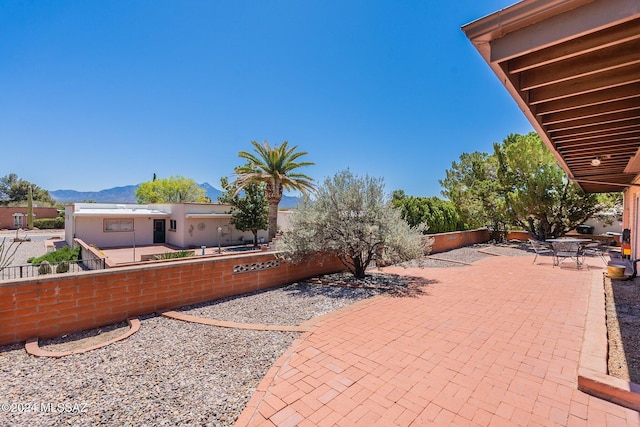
275,167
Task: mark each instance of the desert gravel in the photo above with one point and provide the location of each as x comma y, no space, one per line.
173,372
170,372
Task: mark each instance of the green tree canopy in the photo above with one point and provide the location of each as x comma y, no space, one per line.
276,167
472,186
249,207
176,189
521,185
538,195
15,191
351,219
439,215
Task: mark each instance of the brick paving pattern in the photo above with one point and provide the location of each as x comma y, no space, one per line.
491,344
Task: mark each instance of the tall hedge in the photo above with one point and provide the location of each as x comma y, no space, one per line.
440,215
49,223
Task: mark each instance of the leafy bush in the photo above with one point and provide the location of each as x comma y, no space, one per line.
351,219
49,223
63,267
440,215
63,254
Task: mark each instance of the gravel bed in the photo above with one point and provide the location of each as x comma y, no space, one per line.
469,255
622,307
289,305
27,250
172,372
169,373
84,339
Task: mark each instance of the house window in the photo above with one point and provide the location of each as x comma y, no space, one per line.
111,225
172,225
17,221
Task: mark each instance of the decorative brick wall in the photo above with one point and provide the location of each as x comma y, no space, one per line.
67,303
457,239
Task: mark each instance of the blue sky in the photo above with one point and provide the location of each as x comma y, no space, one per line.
98,94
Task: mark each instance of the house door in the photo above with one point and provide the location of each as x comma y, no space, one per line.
158,231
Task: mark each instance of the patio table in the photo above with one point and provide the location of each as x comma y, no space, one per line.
569,247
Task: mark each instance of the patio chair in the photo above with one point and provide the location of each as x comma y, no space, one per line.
540,248
595,249
571,250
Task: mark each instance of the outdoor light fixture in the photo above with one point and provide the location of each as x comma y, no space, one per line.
596,161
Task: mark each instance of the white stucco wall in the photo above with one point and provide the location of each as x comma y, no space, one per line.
91,231
196,225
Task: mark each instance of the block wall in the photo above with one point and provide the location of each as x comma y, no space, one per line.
61,304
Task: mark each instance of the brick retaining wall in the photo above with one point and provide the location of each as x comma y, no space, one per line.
67,303
457,239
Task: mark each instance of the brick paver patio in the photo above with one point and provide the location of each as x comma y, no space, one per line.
492,344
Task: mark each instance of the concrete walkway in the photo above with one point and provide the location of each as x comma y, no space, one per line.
496,343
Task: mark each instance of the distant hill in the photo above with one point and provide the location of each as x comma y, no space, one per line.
127,194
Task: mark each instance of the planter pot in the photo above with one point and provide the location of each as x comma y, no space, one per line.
615,270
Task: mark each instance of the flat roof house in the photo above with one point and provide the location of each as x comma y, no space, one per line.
573,68
182,225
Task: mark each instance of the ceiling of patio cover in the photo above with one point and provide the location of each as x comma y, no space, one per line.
573,67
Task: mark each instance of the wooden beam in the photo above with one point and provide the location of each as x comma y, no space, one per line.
572,48
592,111
633,166
606,80
597,130
613,184
617,93
602,61
601,120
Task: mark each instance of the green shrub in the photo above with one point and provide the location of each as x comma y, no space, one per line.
49,223
45,268
65,253
63,267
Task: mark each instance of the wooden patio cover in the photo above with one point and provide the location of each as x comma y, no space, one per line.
573,67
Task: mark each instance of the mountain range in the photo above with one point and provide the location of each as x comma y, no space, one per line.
127,194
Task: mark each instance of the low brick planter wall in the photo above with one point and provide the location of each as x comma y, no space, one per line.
457,239
55,305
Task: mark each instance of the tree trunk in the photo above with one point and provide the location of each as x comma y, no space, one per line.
30,209
273,219
274,195
255,238
359,268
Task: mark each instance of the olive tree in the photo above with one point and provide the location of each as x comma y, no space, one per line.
351,218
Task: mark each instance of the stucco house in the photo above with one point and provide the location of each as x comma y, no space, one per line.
184,225
573,68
